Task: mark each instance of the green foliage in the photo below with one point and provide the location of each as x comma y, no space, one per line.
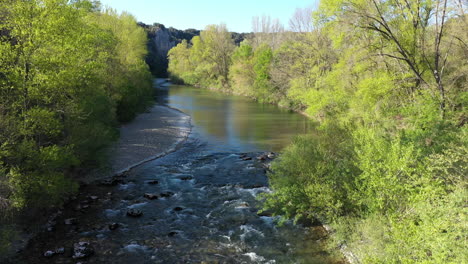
262,59
314,177
388,81
206,62
68,72
241,73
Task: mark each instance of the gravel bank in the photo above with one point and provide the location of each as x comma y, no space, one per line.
150,135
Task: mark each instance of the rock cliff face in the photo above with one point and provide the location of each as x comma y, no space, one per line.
160,41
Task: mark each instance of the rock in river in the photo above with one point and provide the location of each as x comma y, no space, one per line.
150,196
71,221
82,250
152,182
167,194
49,254
134,213
178,209
114,226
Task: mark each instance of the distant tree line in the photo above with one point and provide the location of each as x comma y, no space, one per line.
388,82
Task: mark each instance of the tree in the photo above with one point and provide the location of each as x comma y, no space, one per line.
59,94
218,50
411,32
268,31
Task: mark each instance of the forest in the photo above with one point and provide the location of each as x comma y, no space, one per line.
70,71
387,82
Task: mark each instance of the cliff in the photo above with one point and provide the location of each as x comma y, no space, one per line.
162,39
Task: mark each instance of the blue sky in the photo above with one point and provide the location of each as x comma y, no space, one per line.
183,14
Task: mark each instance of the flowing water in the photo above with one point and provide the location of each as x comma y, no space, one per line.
206,210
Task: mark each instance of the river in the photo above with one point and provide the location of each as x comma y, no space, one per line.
198,204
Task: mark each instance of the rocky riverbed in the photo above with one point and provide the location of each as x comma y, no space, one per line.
186,207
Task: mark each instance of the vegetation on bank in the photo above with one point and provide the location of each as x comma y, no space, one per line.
69,72
388,81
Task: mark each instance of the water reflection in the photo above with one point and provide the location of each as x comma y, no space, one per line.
236,123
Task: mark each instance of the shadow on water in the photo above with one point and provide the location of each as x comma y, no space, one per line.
198,204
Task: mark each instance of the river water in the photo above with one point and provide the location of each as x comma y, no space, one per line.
206,210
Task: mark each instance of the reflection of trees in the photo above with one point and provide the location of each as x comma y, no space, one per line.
209,110
266,125
237,120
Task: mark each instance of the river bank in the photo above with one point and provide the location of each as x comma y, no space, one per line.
156,132
152,134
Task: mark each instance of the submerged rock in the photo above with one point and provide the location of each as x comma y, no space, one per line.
150,196
178,209
245,157
186,178
266,156
49,254
152,182
82,250
172,233
114,226
167,194
134,213
50,226
71,221
60,250
108,182
243,205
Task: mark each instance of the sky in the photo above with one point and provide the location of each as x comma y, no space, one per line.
183,14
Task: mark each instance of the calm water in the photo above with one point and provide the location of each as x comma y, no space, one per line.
207,204
234,123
